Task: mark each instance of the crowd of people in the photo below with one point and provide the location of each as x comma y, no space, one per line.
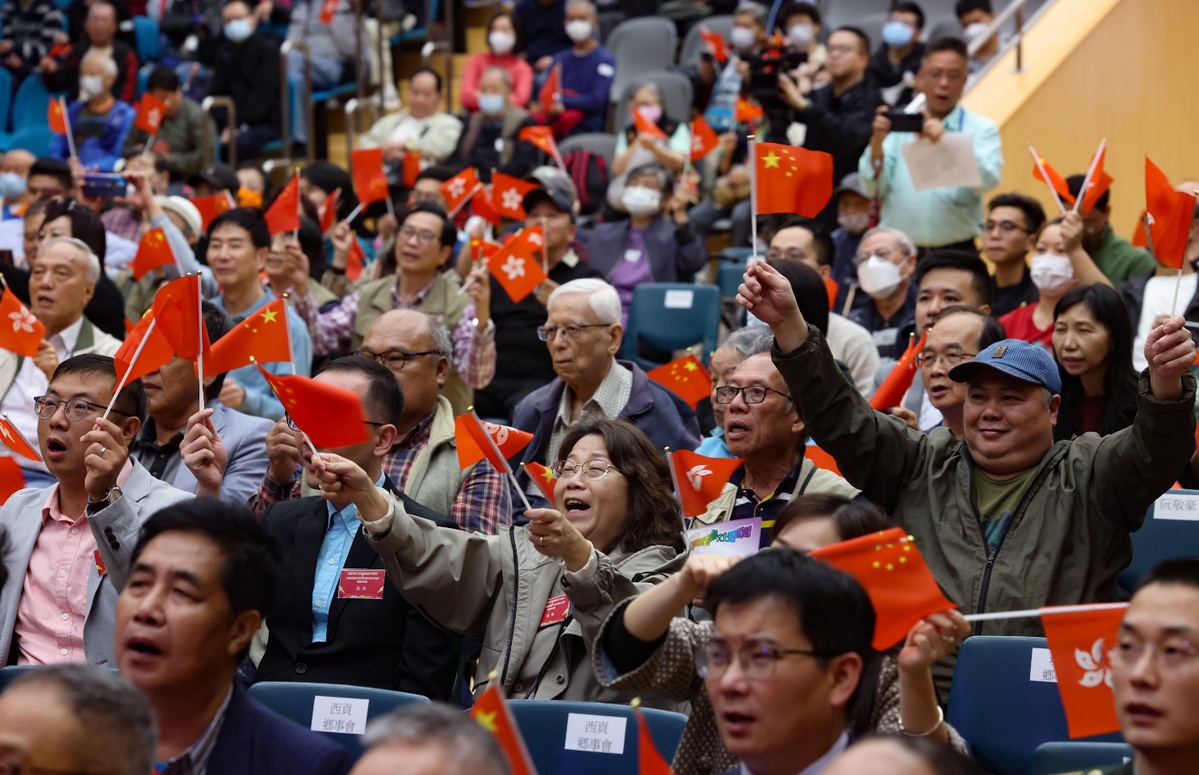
181,527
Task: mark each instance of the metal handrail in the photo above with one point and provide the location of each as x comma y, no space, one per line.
353,110
227,103
1013,10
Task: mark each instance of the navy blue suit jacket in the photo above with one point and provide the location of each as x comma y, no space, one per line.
255,740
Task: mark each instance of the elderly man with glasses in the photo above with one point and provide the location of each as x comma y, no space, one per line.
762,427
69,543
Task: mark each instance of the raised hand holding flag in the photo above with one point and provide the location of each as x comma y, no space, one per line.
1168,216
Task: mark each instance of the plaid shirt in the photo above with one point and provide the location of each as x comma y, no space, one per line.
609,399
474,350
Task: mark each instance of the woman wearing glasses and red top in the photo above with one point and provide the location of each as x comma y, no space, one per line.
534,591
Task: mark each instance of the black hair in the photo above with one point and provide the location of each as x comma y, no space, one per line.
992,330
440,174
1074,182
1119,379
251,573
1181,570
218,324
329,177
980,279
312,244
266,180
449,232
1034,214
164,79
247,218
54,168
800,8
851,518
86,226
822,241
809,289
963,7
384,398
131,401
860,34
905,6
429,71
948,43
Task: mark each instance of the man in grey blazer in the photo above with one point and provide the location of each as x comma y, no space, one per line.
70,543
220,452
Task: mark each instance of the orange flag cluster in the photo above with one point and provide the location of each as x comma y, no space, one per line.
459,189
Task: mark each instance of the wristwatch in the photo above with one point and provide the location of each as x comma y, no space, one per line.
488,330
112,496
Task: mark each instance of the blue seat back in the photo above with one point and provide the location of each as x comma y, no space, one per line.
6,97
1004,714
545,725
11,673
671,316
30,103
1055,758
145,32
298,701
1171,531
35,139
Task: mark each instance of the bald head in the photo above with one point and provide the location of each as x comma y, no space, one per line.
416,347
18,161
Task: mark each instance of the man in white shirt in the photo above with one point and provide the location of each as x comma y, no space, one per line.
422,127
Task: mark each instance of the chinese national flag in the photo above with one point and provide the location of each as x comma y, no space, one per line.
821,459
646,127
508,194
150,113
1169,216
370,181
177,310
1100,183
700,479
153,252
492,713
16,441
56,115
355,260
703,139
482,206
542,137
328,11
284,213
331,416
410,169
543,478
477,440
212,206
649,759
156,354
458,189
1052,178
686,377
792,180
11,477
551,92
262,336
747,111
329,211
517,265
890,393
1080,642
20,330
715,41
892,570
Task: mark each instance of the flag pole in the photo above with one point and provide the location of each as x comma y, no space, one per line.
133,361
200,332
299,208
674,477
475,248
1045,177
291,356
1177,288
1029,613
354,213
1086,182
20,435
391,208
753,199
66,120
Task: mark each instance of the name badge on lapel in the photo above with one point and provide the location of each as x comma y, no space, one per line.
556,610
363,584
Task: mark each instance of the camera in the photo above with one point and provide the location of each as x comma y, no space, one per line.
764,69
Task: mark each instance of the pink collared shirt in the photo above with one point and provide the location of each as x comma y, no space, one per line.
54,601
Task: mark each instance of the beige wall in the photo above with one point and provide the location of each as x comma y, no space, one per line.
1115,69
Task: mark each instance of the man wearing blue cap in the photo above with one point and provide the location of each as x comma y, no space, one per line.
1006,519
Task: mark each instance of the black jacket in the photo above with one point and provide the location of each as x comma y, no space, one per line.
840,126
387,644
249,73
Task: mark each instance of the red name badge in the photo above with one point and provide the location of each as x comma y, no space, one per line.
361,584
556,609
101,569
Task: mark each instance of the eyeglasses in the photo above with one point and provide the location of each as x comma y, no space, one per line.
592,469
77,408
950,360
1005,227
792,254
883,253
292,423
423,236
394,359
1174,655
752,394
952,76
756,660
572,332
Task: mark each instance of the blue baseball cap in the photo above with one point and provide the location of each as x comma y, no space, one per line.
1017,358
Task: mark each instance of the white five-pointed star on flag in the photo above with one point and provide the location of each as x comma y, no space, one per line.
514,267
512,199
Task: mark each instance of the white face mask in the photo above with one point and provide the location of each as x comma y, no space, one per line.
578,30
501,42
854,223
878,277
1053,275
91,85
800,34
972,32
640,201
743,38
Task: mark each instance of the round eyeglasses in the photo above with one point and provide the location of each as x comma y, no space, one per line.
592,469
77,409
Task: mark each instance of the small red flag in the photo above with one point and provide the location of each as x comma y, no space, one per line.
517,266
792,180
16,441
1138,234
11,477
477,440
482,206
262,336
331,416
551,92
699,479
543,477
212,206
1080,642
410,169
1100,182
821,459
492,713
893,572
508,194
542,137
370,180
150,113
156,354
686,377
646,127
716,44
458,189
1052,177
890,393
1169,216
649,759
329,211
56,115
355,260
328,11
703,139
747,112
153,251
20,330
284,213
177,310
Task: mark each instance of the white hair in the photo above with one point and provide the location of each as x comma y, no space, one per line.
750,340
106,60
905,242
92,272
605,302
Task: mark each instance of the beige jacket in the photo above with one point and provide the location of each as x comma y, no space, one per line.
436,142
811,480
435,477
91,340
